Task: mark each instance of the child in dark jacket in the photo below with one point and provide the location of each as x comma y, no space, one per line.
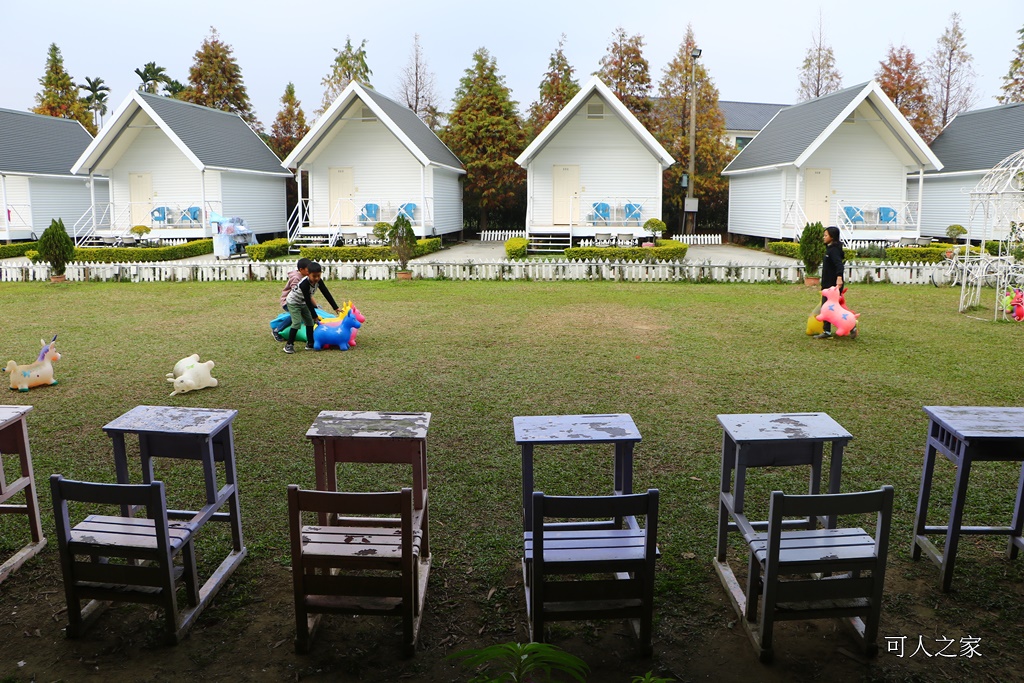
301,271
832,274
302,308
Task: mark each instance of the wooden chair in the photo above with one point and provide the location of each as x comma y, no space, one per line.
363,565
551,555
146,547
831,564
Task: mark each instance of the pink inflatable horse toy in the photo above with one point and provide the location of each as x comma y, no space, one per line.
832,311
24,377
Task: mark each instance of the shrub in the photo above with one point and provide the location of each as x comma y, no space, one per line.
346,253
130,254
932,254
955,231
56,246
656,227
812,247
515,247
872,251
140,230
666,250
267,250
426,246
400,236
17,249
33,256
790,249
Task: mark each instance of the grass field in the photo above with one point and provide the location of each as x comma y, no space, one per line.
475,355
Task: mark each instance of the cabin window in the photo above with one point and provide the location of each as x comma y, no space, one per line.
741,142
595,110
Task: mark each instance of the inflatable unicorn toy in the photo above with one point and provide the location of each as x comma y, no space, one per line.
834,312
189,374
24,377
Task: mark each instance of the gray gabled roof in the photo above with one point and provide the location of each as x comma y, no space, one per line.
39,145
417,131
219,139
748,115
978,140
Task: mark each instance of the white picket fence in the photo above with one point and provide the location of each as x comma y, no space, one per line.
698,239
546,270
500,235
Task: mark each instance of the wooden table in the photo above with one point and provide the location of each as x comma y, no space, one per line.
373,437
14,439
766,440
548,430
967,434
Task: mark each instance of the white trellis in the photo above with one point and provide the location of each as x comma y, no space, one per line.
997,213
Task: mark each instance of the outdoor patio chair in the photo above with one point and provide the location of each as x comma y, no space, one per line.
159,214
886,214
602,212
633,212
369,213
408,210
127,241
613,568
829,572
603,239
625,239
190,215
853,214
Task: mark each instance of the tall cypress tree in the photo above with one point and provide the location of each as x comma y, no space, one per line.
349,65
557,88
289,126
901,78
484,130
1013,81
215,80
59,96
627,73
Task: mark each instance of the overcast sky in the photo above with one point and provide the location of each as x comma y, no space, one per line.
752,48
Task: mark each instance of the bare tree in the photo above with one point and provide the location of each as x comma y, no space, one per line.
951,75
416,87
818,73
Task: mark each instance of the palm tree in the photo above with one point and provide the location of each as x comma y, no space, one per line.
152,76
96,99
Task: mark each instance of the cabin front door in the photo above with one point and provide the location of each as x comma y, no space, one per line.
817,195
565,193
341,191
140,194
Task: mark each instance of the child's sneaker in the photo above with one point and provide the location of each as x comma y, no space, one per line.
823,335
289,348
277,337
310,347
853,333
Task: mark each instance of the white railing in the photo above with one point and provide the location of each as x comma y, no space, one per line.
596,211
896,216
163,213
16,216
698,239
548,270
298,219
793,217
500,235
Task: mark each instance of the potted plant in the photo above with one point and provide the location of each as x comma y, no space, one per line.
56,248
402,240
812,251
656,227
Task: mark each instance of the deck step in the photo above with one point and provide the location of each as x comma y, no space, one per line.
549,243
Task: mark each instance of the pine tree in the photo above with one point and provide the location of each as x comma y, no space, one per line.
485,132
626,72
901,78
673,131
289,126
556,89
349,65
215,80
1013,81
417,89
59,96
818,73
951,75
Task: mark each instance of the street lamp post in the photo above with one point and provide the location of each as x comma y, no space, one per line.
691,211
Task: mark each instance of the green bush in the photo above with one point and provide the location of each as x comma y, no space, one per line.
656,227
871,251
954,231
267,250
789,249
17,249
33,256
134,254
515,247
377,253
426,246
812,247
56,246
933,254
666,250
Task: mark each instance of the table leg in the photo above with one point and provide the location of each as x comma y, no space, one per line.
209,468
121,466
921,517
527,487
31,500
835,476
624,468
956,516
814,486
1018,519
320,467
231,479
728,460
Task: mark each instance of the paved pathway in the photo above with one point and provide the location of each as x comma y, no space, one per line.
475,250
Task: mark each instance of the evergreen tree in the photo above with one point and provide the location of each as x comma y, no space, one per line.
485,132
95,99
289,126
417,89
818,73
626,72
59,96
901,78
1013,81
215,80
556,89
151,76
951,76
349,65
673,132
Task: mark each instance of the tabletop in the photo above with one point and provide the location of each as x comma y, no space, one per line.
164,419
561,429
980,422
754,427
369,425
9,414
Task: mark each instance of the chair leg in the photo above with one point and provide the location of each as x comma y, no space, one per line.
647,617
753,587
767,625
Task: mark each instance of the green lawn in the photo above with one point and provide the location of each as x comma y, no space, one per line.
475,355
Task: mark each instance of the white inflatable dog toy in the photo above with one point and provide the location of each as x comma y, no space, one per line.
189,374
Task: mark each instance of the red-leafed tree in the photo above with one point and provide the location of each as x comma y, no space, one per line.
289,126
951,76
215,80
556,89
627,74
59,96
901,77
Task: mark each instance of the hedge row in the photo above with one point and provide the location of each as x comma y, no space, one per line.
423,247
515,247
666,250
267,250
17,249
136,254
933,254
792,250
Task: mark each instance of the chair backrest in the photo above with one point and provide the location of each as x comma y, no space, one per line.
854,214
408,210
159,213
603,237
128,241
907,242
602,210
347,506
371,211
886,214
633,212
150,496
190,214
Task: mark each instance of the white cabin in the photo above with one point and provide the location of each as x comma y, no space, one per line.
369,159
182,169
594,171
36,183
841,159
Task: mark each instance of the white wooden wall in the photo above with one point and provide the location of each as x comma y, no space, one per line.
447,200
258,199
946,200
382,168
65,198
612,161
20,200
755,204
